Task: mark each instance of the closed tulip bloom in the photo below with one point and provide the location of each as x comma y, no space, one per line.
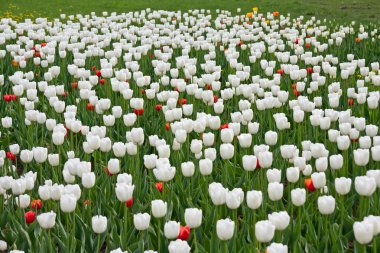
18,186
47,220
23,201
245,140
226,151
113,166
376,175
234,198
343,142
99,224
124,191
193,217
26,156
171,229
271,138
150,161
375,221
292,174
141,221
279,219
88,180
375,152
180,135
254,199
227,135
264,231
342,185
53,159
265,159
188,169
274,175
3,245
365,185
321,164
361,157
298,196
277,248
336,162
205,167
225,229
159,208
318,179
275,191
68,203
249,162
196,146
179,246
40,154
363,232
119,149
217,193
326,204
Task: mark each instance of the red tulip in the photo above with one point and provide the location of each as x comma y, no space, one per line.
307,45
90,107
7,98
309,184
216,98
36,203
74,85
101,81
11,156
257,164
357,40
209,87
64,94
296,93
224,126
129,202
280,71
159,186
310,70
296,41
98,73
167,126
158,107
43,44
13,97
143,91
184,233
139,112
93,68
30,216
351,101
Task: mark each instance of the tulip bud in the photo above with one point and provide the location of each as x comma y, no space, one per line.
254,199
193,217
264,231
99,224
171,229
159,208
141,221
225,229
275,191
326,204
342,185
298,196
363,232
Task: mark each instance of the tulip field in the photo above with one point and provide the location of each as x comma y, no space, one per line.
189,131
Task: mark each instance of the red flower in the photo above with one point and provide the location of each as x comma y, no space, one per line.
258,164
151,56
296,41
129,202
90,107
37,54
184,233
209,87
143,91
351,101
309,184
280,71
310,70
101,81
182,101
139,111
158,107
159,186
13,97
30,216
224,126
7,98
307,45
93,68
36,203
296,93
216,98
98,73
74,85
86,202
167,126
357,40
64,94
294,86
11,156
43,44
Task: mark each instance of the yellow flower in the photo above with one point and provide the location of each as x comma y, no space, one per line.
255,9
267,21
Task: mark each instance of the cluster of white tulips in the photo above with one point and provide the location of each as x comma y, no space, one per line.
169,131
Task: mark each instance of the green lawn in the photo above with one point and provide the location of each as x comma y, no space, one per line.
342,10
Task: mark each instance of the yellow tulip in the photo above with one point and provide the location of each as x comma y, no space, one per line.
249,15
255,9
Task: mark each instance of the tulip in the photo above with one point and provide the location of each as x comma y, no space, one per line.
292,174
141,221
68,203
254,199
193,217
277,248
271,138
124,191
249,162
23,201
361,157
47,220
179,246
264,231
363,232
159,186
113,166
36,204
266,159
171,229
184,233
298,196
280,220
326,204
365,185
275,191
226,151
225,229
99,224
188,169
234,198
30,216
274,175
159,208
3,245
318,180
217,193
376,175
205,167
343,185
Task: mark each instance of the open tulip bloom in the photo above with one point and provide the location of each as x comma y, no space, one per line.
195,131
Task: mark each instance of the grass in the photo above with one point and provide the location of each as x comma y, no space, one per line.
363,11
